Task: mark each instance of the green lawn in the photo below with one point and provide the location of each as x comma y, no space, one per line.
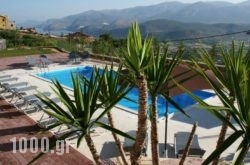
24,52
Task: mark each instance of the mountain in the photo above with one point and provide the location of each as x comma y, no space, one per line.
168,30
199,17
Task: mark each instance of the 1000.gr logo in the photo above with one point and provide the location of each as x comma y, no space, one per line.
33,145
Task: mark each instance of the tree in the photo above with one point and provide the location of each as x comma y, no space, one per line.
233,89
213,52
158,74
106,37
80,109
111,88
12,37
231,58
136,59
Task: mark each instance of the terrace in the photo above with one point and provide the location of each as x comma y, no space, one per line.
207,131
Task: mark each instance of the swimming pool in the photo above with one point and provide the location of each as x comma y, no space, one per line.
183,100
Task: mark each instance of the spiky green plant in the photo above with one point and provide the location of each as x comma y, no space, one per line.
111,89
233,89
158,74
79,110
136,59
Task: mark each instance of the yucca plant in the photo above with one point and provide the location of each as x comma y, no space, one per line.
136,59
158,74
233,89
79,110
231,58
112,89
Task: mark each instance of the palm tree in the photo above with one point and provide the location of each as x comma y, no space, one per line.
158,75
136,59
233,89
80,108
232,58
111,88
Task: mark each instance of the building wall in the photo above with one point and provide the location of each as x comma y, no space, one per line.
3,22
6,24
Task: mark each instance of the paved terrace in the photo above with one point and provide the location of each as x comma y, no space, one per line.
16,124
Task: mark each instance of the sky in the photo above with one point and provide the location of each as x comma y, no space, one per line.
41,10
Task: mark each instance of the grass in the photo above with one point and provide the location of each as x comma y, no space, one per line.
24,52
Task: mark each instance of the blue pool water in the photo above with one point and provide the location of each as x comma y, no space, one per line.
183,100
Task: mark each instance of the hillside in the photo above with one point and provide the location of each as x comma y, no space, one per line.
167,30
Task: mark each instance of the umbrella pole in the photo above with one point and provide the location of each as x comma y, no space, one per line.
166,129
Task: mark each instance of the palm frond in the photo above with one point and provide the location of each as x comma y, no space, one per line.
111,129
228,142
240,154
137,57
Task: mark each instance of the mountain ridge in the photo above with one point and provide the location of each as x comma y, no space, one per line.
96,22
169,30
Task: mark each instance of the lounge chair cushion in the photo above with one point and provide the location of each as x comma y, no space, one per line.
180,143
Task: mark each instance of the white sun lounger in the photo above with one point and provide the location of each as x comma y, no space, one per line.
180,142
11,88
28,100
5,76
17,92
5,81
40,105
35,105
46,120
7,88
8,79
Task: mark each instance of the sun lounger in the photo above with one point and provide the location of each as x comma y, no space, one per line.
33,97
5,76
8,79
180,142
17,92
23,100
7,88
36,105
20,90
39,104
5,81
47,122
